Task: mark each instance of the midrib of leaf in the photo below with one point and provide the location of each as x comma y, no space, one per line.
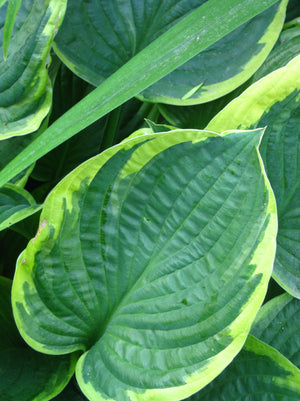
153,262
176,46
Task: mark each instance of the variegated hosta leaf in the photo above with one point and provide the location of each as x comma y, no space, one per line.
258,373
25,88
153,258
198,116
27,375
15,205
10,18
286,48
278,324
274,102
159,58
99,36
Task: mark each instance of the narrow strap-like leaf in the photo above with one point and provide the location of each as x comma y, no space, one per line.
200,29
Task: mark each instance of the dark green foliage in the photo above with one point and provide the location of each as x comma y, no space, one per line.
149,200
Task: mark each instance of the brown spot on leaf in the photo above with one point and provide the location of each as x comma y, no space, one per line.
42,225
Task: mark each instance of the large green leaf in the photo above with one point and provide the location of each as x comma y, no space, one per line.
278,324
198,116
258,373
176,46
26,375
274,101
25,88
153,258
15,205
99,36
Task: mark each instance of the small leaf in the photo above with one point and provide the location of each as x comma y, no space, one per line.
15,205
154,258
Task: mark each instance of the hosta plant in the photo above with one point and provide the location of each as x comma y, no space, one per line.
149,200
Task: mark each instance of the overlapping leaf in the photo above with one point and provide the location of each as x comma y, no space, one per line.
99,36
25,88
286,48
258,373
68,90
198,116
153,258
278,324
26,375
173,48
274,101
15,205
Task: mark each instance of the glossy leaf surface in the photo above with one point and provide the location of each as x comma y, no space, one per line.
286,48
258,373
278,324
26,375
15,205
25,88
153,258
173,48
99,36
274,101
198,116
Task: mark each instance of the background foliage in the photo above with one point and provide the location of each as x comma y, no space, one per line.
149,200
